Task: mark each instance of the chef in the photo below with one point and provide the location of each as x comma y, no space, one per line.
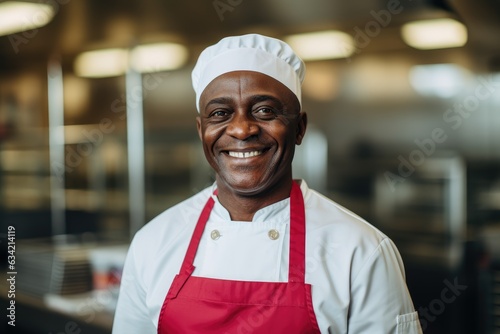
259,252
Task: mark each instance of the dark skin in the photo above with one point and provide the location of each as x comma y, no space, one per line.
249,125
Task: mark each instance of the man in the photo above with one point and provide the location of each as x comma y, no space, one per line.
259,252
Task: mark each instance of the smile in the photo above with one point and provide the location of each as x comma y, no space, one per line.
244,154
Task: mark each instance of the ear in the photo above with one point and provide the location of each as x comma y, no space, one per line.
198,127
301,127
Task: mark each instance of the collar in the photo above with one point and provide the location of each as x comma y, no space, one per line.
276,212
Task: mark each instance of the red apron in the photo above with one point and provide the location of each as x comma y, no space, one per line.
206,305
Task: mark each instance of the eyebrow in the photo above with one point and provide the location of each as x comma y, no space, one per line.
219,100
253,99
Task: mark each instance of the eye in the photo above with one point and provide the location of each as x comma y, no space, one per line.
219,113
264,113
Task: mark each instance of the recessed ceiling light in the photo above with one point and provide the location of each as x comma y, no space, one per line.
330,44
17,16
158,57
143,58
102,63
434,34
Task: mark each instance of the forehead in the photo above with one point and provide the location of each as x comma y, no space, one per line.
243,84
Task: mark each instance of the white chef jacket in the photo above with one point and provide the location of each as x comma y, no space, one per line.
356,272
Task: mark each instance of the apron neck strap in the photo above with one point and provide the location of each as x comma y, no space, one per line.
187,265
296,270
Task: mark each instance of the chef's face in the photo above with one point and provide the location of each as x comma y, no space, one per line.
249,125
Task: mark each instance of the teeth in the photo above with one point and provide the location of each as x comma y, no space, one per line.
244,154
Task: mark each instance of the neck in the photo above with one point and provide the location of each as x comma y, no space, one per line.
242,207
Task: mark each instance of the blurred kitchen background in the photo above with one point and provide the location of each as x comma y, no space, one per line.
98,136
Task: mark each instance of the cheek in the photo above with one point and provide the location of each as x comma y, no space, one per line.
210,135
283,136
206,132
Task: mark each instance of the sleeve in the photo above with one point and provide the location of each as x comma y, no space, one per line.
380,301
131,315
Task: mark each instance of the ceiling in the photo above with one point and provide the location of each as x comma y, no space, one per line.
82,25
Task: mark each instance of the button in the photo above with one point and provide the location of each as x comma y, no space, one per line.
273,234
215,234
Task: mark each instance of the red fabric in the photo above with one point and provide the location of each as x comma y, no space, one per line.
206,305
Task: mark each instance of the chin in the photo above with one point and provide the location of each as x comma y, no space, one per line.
247,186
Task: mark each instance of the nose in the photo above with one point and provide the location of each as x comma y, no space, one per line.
242,126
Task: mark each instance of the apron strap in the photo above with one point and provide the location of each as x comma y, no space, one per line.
296,270
187,264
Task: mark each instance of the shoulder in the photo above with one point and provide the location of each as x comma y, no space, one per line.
156,246
326,215
341,236
179,213
171,222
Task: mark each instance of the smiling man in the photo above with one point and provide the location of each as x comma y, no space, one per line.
259,252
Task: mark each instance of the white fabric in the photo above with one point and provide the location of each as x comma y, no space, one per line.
250,52
356,273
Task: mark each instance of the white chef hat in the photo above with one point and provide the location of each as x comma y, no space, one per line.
250,52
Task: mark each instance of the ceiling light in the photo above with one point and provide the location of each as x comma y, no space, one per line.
434,34
329,44
16,16
158,57
143,58
102,63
